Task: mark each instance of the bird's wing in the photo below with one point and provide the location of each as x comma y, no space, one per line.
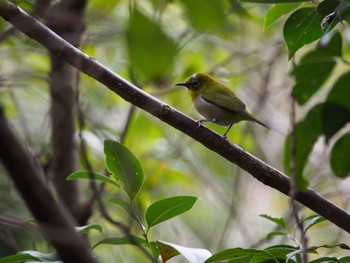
225,99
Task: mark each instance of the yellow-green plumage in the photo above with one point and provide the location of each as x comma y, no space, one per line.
215,102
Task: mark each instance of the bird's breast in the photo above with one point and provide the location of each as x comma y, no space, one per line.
214,113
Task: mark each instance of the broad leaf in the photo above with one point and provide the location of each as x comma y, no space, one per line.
92,175
18,258
278,220
301,28
124,167
165,209
325,259
276,233
237,253
274,1
314,69
277,11
151,50
86,229
125,240
313,220
122,204
307,131
281,252
193,255
337,113
214,12
340,156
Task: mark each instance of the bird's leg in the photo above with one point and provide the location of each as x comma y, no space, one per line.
201,121
227,131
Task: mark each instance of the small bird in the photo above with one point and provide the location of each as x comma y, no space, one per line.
216,102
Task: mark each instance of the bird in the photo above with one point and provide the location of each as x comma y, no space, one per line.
216,102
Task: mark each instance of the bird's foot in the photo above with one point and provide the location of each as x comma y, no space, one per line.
225,137
199,122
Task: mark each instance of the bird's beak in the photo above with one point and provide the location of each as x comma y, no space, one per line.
184,84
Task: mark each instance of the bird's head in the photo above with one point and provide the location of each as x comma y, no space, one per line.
197,82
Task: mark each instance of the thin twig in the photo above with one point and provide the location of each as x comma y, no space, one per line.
97,192
293,189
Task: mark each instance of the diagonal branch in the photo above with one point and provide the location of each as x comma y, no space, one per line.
213,141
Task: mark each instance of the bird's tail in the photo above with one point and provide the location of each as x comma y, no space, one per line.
260,122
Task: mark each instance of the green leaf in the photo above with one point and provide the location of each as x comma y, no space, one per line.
307,131
314,69
340,156
313,220
151,51
193,255
237,253
301,28
165,209
31,255
337,111
277,11
278,220
154,249
334,118
125,240
214,12
124,205
276,233
17,258
124,167
274,1
86,229
92,175
325,259
281,251
344,259
326,7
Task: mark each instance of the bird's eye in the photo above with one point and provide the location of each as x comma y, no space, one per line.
195,84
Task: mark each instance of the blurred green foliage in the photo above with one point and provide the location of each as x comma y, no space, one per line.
267,54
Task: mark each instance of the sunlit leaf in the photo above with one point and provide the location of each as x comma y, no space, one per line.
277,11
124,166
340,156
193,255
17,258
274,1
86,229
249,254
165,209
92,175
301,28
40,256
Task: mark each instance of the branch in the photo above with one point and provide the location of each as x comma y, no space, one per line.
54,220
66,19
213,141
